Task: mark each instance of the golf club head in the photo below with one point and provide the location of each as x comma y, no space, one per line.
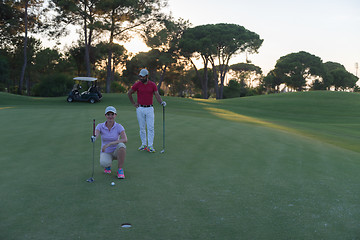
90,180
162,151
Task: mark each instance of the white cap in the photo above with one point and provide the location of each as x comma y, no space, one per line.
143,72
110,109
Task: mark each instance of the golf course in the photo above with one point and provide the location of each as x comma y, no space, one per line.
278,166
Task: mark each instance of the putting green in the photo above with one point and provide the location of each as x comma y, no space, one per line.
282,166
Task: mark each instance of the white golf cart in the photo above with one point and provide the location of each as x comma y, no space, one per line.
92,95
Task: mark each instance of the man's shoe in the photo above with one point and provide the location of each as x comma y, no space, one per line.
150,149
142,148
107,170
120,173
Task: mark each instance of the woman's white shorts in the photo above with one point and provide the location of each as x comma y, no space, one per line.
107,158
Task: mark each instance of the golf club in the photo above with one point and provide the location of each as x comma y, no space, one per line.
163,150
92,176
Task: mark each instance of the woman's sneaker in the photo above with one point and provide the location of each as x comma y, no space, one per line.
107,170
150,149
142,148
120,173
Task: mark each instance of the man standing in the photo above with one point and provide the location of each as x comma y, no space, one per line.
145,90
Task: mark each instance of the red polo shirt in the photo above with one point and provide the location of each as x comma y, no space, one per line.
144,92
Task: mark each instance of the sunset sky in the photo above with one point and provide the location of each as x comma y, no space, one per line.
328,29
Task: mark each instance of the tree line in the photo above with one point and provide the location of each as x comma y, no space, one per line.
26,67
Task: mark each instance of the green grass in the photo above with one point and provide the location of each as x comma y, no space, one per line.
283,166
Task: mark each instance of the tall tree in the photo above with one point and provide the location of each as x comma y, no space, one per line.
78,54
17,62
25,46
17,18
219,43
341,79
148,60
119,56
195,44
76,12
4,73
272,82
46,60
247,72
165,39
229,40
118,17
29,20
295,68
11,21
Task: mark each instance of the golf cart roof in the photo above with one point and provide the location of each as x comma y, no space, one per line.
88,79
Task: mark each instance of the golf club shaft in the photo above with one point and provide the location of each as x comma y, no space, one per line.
93,150
163,128
94,127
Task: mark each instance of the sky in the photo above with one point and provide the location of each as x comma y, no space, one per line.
328,29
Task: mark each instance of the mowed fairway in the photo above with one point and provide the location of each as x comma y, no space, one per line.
281,166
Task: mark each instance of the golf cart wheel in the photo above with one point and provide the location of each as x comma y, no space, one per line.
70,99
91,100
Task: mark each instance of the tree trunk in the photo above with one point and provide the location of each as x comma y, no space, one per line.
28,86
87,50
112,71
162,76
110,67
224,67
215,77
205,79
87,57
205,84
203,87
25,49
222,79
108,70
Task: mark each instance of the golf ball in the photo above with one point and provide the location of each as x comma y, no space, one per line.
112,183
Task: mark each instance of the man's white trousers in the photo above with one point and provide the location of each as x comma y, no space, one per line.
145,116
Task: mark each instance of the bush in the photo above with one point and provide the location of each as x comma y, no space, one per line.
4,73
232,90
197,95
13,89
161,92
2,87
116,87
53,85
